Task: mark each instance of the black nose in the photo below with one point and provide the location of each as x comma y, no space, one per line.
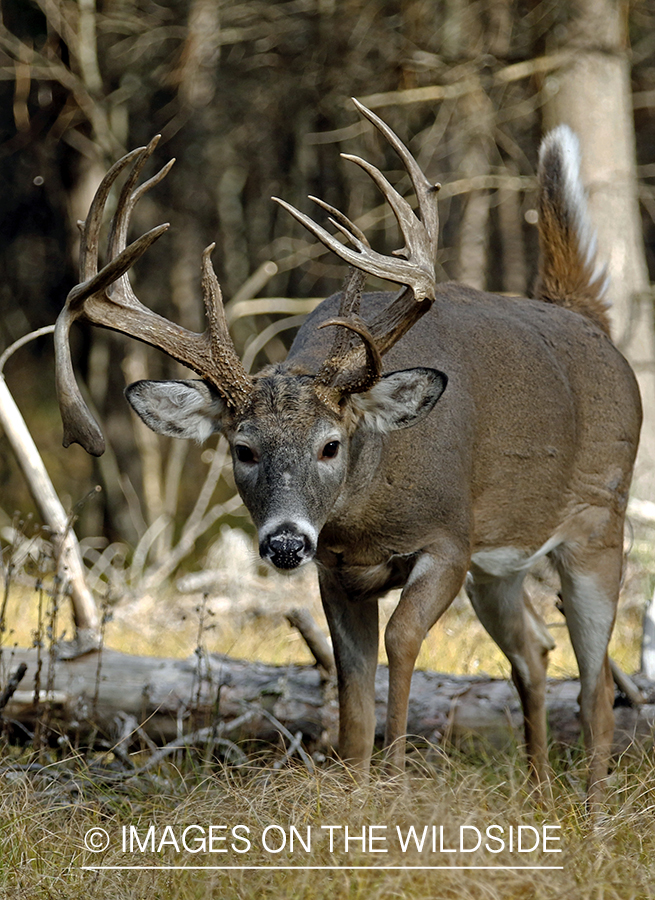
286,548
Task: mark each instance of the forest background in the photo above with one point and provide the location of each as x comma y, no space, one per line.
252,99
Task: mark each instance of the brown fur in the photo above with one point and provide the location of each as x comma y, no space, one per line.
527,453
567,269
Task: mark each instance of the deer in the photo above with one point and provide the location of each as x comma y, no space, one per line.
427,439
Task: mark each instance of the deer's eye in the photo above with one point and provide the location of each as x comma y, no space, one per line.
330,450
244,453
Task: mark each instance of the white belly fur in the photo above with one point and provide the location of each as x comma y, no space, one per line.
503,561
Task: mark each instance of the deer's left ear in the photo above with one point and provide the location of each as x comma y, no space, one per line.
181,409
400,399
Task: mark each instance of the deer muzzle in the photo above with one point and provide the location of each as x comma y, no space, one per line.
288,545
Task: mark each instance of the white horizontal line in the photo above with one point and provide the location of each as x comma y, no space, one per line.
319,868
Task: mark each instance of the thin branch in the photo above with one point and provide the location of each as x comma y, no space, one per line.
218,463
32,336
306,758
626,685
187,542
318,645
254,284
260,341
12,684
268,306
212,732
434,92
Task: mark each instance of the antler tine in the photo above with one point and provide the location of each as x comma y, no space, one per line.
398,270
128,199
351,256
343,371
90,238
228,375
121,290
344,379
346,232
401,209
417,269
338,217
346,370
114,269
79,424
425,191
339,369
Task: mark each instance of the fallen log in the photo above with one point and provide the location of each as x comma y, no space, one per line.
168,698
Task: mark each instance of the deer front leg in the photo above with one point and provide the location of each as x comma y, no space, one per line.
432,586
354,630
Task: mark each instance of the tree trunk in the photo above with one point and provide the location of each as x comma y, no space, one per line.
170,696
591,93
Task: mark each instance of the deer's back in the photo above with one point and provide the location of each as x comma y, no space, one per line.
540,417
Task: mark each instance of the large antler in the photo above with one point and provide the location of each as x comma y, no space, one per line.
345,370
106,298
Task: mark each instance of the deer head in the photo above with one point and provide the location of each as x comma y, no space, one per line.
286,426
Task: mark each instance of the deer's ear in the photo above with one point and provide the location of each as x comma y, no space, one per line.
180,409
400,399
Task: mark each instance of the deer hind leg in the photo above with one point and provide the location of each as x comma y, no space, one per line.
505,610
590,586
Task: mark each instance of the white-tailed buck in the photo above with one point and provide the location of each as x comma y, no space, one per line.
411,439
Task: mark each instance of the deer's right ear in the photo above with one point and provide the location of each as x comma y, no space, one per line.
180,409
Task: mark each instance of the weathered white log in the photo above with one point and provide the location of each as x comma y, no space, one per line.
171,696
69,558
648,641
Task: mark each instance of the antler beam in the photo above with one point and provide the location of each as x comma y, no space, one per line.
346,370
417,269
105,297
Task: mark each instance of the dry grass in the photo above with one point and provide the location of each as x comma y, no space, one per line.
42,836
45,815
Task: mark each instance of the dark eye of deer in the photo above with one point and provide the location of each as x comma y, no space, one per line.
244,453
330,450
